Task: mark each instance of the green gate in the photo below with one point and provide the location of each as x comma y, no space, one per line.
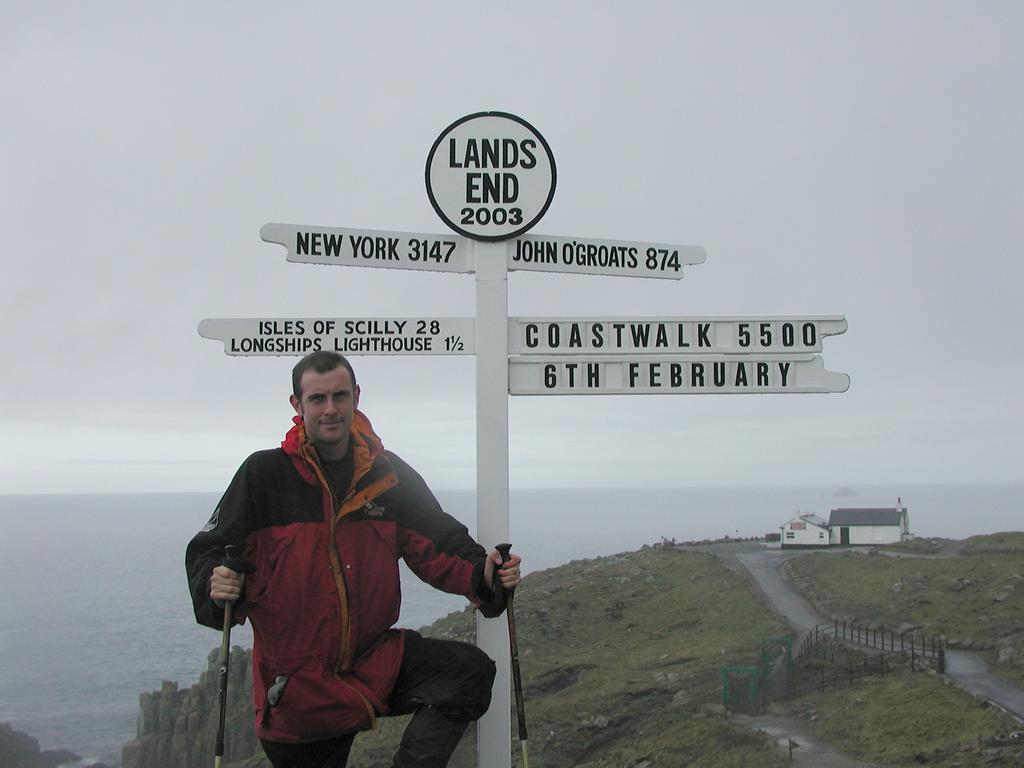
752,674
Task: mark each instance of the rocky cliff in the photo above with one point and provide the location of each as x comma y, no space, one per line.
177,728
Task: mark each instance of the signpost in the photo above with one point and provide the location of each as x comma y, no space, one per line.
672,335
371,248
677,375
623,258
349,336
491,176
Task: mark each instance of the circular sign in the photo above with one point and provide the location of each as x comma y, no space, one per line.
490,176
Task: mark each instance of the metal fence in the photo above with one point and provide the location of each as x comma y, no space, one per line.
830,656
910,644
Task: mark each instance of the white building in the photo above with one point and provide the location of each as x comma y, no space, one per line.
805,531
846,527
869,526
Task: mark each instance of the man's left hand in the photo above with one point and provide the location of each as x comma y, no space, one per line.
508,574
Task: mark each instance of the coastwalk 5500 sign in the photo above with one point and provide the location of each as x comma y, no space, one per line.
491,177
672,335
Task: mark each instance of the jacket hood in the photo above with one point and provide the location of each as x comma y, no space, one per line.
362,440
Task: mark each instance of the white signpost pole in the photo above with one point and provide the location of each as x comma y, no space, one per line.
490,176
494,739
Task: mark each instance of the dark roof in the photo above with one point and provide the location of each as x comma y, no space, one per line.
890,516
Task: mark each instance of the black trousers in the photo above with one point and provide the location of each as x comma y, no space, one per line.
445,684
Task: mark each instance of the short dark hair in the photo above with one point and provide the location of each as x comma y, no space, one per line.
319,362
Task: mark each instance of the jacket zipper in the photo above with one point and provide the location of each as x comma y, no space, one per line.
344,660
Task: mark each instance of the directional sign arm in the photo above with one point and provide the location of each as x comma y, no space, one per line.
349,336
677,375
622,258
371,248
730,335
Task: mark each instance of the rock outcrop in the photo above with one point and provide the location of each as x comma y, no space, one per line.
19,750
179,727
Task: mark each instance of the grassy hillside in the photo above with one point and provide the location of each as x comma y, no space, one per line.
974,599
620,660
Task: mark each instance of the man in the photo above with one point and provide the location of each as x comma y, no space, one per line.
324,520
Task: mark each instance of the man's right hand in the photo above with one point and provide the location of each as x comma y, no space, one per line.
225,585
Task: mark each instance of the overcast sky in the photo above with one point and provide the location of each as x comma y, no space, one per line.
859,159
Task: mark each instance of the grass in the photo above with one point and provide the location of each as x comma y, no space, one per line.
620,660
910,719
956,597
978,596
922,546
1008,543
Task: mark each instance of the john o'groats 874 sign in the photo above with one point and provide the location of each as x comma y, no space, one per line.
490,176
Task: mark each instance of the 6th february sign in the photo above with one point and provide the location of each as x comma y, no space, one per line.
711,375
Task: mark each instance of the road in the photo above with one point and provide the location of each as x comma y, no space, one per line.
970,671
764,567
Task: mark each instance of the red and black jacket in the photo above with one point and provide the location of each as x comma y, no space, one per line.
326,593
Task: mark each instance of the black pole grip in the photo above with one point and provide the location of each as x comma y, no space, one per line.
505,595
505,550
233,559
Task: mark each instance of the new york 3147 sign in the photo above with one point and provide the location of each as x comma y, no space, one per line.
490,176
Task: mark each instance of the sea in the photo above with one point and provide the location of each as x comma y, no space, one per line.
95,609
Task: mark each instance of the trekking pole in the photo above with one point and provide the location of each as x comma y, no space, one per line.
234,561
504,550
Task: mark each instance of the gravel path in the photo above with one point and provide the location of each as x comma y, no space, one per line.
809,751
970,671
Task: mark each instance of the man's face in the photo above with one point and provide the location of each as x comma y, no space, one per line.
327,405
